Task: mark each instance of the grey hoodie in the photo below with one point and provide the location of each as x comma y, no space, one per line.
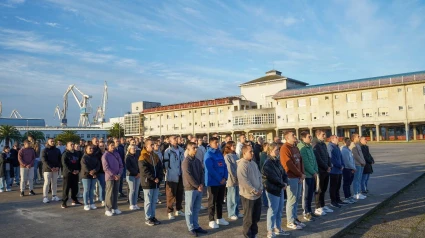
172,164
232,168
249,178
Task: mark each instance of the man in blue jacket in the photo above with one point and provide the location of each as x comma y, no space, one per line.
215,179
336,172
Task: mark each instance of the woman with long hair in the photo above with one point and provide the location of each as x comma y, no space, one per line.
133,176
232,184
90,165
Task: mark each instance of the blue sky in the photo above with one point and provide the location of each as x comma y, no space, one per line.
177,51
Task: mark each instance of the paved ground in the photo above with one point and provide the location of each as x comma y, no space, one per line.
402,216
396,166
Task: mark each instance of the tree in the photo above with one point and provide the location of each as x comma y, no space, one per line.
38,135
67,136
116,130
9,134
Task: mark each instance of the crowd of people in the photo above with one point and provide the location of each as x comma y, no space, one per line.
246,173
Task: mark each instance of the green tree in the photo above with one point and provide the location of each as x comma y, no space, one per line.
67,136
9,134
116,130
38,135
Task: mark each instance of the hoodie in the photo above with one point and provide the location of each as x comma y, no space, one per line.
112,165
336,158
70,162
51,158
173,158
215,167
309,159
249,178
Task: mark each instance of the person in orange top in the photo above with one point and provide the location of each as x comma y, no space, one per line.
291,160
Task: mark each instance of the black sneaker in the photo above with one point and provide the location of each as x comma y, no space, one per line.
334,204
32,193
314,215
156,221
150,222
76,203
122,195
22,194
64,205
193,233
201,231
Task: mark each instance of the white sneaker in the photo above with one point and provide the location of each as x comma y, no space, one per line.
1,190
327,209
93,207
222,222
319,212
179,213
359,197
109,213
8,189
103,204
213,225
234,218
203,208
137,207
116,211
363,196
294,226
270,234
170,216
86,208
240,215
280,232
55,199
132,208
46,200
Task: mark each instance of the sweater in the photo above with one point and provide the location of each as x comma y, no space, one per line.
291,160
193,174
150,168
274,176
336,158
357,154
263,158
51,158
89,163
309,159
249,178
200,153
26,156
215,167
172,163
232,169
347,158
322,155
70,162
132,165
112,165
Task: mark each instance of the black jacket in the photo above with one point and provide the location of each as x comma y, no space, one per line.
368,158
51,158
70,162
257,149
3,161
322,156
98,154
88,163
14,157
150,167
274,176
132,165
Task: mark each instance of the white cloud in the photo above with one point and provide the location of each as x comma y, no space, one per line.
131,48
52,24
26,20
11,3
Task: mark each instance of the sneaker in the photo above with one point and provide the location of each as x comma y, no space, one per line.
32,193
137,207
22,194
203,208
158,201
233,218
76,203
353,200
308,217
299,223
8,189
334,204
193,233
365,192
359,197
342,203
93,207
319,212
1,190
108,213
86,207
64,205
364,196
201,231
122,195
55,199
102,204
156,221
270,234
116,211
179,213
327,209
132,208
170,216
348,201
46,200
240,215
150,222
280,232
294,226
213,225
222,222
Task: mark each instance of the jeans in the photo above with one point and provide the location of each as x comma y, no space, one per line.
133,185
252,214
347,177
50,178
365,179
122,179
192,201
215,201
111,197
36,162
322,186
88,194
233,200
27,175
5,181
101,186
264,199
357,179
275,211
293,191
151,196
16,171
308,191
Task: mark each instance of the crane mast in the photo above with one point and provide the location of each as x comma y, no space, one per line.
99,117
83,104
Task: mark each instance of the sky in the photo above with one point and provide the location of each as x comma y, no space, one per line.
177,51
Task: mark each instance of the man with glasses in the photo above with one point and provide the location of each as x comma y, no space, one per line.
71,169
51,159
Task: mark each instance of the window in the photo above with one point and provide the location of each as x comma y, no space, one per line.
48,136
203,112
400,108
137,108
168,116
176,115
336,96
183,126
315,116
399,90
212,124
326,98
88,136
212,111
183,114
383,111
289,104
301,103
302,117
352,114
220,123
366,96
314,101
383,94
409,90
256,119
410,107
351,97
220,111
327,113
290,118
367,112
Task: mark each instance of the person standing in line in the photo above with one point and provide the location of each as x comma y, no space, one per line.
311,170
223,144
336,172
216,175
89,167
79,154
200,153
15,162
239,145
150,167
6,170
324,164
121,151
349,170
368,170
52,160
26,158
133,176
37,149
232,185
360,164
98,151
291,160
275,181
263,157
71,169
250,189
193,180
258,147
173,157
112,165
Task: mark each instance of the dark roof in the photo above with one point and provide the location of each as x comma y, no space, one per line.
22,122
380,81
265,79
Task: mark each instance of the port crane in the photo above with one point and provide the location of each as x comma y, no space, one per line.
83,103
99,117
15,114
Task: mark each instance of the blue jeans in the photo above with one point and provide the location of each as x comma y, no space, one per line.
5,181
122,179
308,191
133,185
264,199
36,162
88,194
275,211
293,192
17,173
233,200
102,185
365,179
192,201
151,196
357,179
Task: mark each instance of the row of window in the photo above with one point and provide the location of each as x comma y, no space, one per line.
256,119
82,136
